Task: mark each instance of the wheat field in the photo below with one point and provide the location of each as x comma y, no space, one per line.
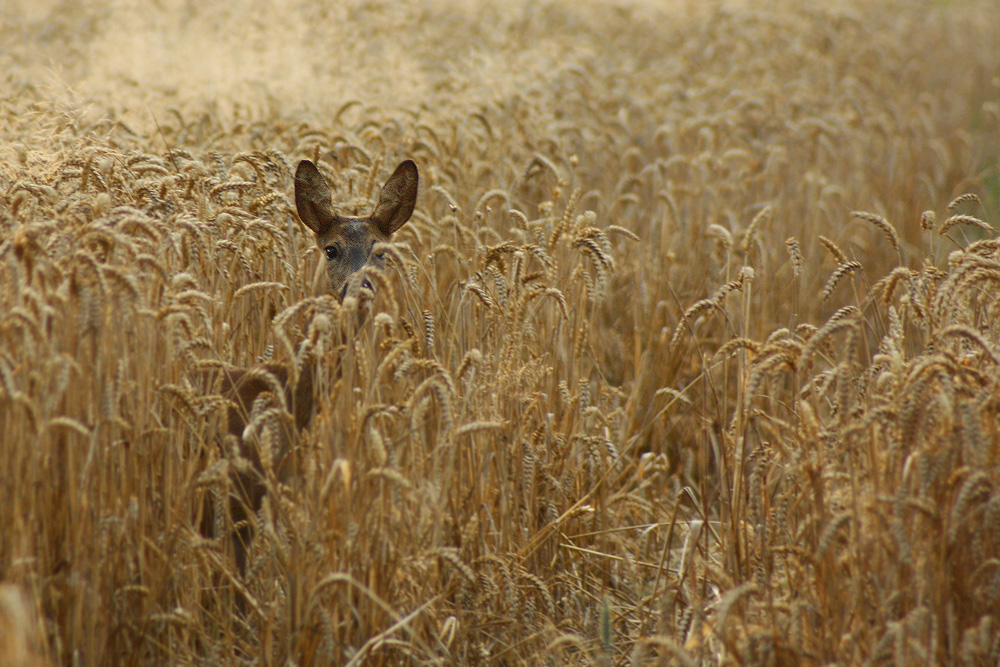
690,354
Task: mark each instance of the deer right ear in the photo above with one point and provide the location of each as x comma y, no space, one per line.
313,200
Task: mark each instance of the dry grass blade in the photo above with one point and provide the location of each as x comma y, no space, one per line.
762,218
689,315
963,220
887,229
835,277
973,336
794,254
962,199
838,254
928,220
253,287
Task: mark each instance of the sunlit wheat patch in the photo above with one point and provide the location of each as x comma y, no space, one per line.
688,353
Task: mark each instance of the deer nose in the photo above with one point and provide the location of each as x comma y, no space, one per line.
364,284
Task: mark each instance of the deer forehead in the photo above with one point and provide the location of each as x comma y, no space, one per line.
352,233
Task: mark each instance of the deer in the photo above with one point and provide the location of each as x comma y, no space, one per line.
347,245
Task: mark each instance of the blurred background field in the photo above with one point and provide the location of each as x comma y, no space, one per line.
689,355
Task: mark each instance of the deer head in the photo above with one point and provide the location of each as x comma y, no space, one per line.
347,242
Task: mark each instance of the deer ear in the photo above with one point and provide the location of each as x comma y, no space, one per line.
313,200
397,199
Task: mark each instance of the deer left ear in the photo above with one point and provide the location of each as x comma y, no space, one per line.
397,199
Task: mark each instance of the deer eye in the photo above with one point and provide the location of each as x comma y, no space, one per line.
331,252
379,256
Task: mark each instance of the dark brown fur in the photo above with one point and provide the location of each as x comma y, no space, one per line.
242,387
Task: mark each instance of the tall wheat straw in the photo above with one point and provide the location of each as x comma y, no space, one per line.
554,436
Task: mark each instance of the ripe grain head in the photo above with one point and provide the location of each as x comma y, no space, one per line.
570,425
